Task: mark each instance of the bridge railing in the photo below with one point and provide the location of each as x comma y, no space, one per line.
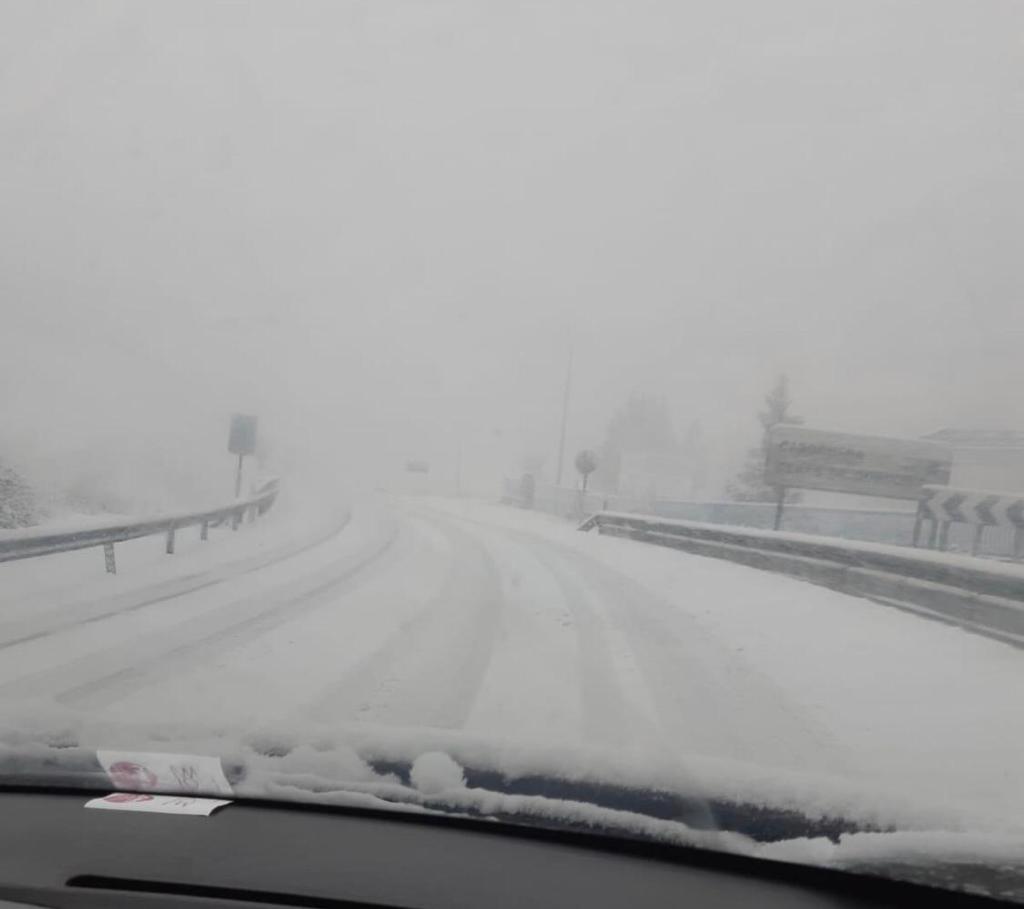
31,544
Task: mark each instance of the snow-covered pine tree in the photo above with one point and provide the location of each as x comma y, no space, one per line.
17,502
749,485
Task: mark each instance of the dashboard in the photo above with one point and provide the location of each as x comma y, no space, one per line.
56,852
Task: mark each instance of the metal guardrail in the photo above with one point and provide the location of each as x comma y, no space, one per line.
962,520
32,544
986,598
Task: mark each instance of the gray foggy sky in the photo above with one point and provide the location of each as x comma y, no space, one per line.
378,224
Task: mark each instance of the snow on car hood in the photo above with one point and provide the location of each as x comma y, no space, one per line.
331,764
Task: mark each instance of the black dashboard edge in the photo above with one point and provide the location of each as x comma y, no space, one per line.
866,888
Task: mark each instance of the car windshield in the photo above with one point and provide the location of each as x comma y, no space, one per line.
579,414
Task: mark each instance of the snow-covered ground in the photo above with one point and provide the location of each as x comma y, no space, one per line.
436,622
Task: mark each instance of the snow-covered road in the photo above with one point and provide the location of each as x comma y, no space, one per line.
512,626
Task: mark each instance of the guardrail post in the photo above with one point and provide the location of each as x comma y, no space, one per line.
944,535
204,531
933,533
170,541
108,557
236,519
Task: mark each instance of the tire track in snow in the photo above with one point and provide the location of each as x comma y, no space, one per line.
609,717
428,672
89,682
706,699
531,684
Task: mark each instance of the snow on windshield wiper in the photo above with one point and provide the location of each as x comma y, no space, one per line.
433,783
582,790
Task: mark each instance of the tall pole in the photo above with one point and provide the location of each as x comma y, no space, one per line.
565,418
238,477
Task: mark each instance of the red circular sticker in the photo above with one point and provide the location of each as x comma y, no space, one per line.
129,775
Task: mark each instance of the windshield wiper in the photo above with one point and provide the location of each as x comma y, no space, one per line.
538,798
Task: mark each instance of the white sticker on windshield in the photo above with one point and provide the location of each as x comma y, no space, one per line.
142,771
160,804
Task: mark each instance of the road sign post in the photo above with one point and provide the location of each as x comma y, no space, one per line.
242,442
976,542
586,464
780,503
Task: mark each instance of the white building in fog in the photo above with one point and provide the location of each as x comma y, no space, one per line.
648,475
985,459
